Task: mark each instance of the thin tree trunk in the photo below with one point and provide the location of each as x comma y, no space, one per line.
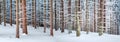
104,15
39,15
79,17
44,16
62,15
55,16
11,12
24,17
17,20
100,15
34,13
77,3
69,17
51,17
21,20
4,1
87,18
0,12
94,16
80,14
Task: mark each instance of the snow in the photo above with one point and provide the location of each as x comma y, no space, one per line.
7,34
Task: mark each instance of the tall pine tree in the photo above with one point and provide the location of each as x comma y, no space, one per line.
62,15
4,2
101,17
24,17
51,17
17,19
0,12
44,16
34,13
95,16
11,12
87,18
69,17
77,18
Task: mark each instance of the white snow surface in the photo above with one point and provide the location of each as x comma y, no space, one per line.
7,34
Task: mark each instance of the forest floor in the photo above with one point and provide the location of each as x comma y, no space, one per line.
7,34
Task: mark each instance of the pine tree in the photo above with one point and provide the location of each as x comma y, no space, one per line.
95,16
77,18
104,19
24,17
4,2
44,16
69,17
32,22
101,17
20,18
56,28
34,13
17,20
87,18
0,12
62,16
51,17
80,13
11,12
39,14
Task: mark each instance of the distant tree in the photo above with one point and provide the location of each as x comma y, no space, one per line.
55,10
11,12
4,2
51,17
87,18
44,16
0,12
34,13
69,17
94,15
17,19
62,15
77,17
101,18
24,18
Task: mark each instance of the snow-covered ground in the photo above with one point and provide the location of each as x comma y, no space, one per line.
7,34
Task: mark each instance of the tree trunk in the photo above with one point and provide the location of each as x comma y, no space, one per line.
39,14
55,16
100,19
17,20
104,15
34,13
95,16
24,17
44,16
4,1
51,17
62,16
69,17
87,18
11,12
20,11
0,12
79,17
77,3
